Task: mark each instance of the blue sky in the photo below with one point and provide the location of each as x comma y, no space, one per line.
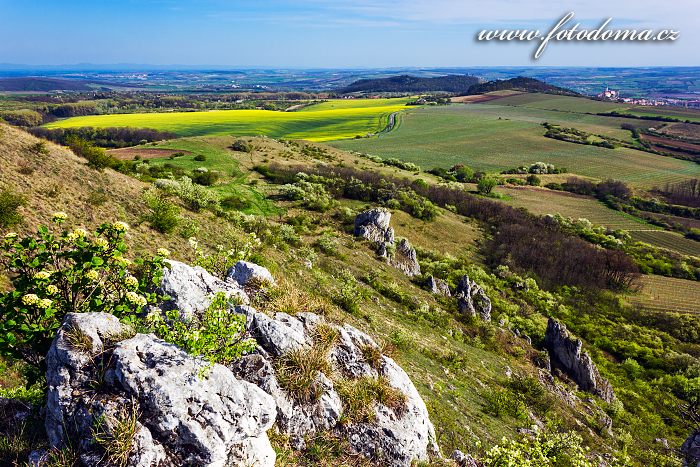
330,33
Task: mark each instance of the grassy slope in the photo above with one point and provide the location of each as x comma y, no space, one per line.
454,374
325,121
454,395
493,137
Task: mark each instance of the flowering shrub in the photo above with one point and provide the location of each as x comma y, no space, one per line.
58,271
216,336
196,197
540,450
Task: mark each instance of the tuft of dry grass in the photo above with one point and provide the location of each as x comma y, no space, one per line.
372,355
115,434
297,369
286,297
360,395
77,339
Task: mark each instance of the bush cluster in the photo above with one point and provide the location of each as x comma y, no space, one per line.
57,271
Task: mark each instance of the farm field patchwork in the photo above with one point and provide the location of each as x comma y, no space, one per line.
336,119
582,105
542,201
659,293
492,138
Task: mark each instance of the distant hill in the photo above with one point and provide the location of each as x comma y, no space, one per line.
41,84
520,84
407,83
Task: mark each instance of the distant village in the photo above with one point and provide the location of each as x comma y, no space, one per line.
614,95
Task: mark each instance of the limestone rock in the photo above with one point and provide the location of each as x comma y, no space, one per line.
405,259
463,460
567,355
188,412
374,226
438,287
391,439
191,288
472,299
243,272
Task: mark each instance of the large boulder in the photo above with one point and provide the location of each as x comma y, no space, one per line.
690,450
438,287
191,288
245,273
184,410
374,226
472,299
390,439
566,354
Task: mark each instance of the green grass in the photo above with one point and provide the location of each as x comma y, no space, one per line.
336,119
218,158
493,137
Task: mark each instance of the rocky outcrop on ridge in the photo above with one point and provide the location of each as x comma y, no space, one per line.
185,411
472,299
567,355
438,286
373,225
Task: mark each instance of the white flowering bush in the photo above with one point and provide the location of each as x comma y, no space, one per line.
59,271
540,450
196,197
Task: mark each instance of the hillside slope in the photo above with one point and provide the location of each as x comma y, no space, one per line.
407,83
481,380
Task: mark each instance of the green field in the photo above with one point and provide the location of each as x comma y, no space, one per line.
542,201
579,105
493,137
658,293
331,120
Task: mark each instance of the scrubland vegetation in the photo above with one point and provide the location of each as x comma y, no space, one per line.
290,206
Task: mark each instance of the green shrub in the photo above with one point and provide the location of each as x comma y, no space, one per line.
542,449
10,203
349,293
195,196
59,272
217,335
501,402
236,201
241,146
164,215
533,180
199,157
486,185
205,177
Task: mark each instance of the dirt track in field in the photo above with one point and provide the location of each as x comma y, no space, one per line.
145,153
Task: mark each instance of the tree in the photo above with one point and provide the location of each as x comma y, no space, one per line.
486,185
533,180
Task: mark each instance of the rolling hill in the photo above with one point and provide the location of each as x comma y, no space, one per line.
407,83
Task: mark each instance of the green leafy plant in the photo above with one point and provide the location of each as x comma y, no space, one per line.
217,335
9,208
57,271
